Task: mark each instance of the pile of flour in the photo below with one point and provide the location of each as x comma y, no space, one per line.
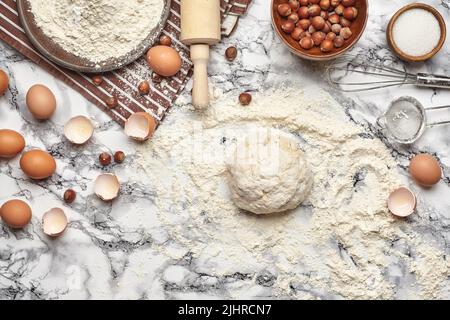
97,30
341,243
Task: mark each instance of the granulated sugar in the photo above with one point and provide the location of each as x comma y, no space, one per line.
416,32
341,243
97,30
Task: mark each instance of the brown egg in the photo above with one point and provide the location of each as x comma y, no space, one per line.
41,102
11,143
15,213
37,164
425,169
165,61
4,82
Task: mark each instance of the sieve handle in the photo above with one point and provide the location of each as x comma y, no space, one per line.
433,124
427,80
381,122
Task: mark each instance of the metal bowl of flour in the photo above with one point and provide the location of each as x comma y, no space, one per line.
55,53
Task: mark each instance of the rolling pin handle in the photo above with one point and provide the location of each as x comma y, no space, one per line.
200,90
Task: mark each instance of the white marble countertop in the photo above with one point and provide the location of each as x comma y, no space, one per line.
105,254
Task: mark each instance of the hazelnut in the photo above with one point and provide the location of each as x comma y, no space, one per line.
345,22
306,43
97,79
334,18
325,4
294,17
326,45
295,4
318,23
350,13
335,3
245,98
336,28
69,196
305,34
314,10
345,33
304,2
331,36
339,9
314,1
165,41
348,3
296,33
284,9
112,102
231,53
303,12
304,24
288,26
119,157
311,29
318,37
338,41
324,14
144,87
327,27
104,158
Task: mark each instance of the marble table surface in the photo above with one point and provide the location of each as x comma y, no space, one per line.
105,254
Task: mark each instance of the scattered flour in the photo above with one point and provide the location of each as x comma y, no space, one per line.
97,30
341,243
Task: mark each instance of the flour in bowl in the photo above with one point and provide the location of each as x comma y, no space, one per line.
97,30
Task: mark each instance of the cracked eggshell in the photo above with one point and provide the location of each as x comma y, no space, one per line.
140,126
54,222
107,187
402,202
79,130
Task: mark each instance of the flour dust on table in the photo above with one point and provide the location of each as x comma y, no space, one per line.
97,30
340,243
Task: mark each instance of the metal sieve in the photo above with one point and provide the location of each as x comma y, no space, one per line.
405,120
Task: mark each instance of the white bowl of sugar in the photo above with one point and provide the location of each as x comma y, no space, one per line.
416,32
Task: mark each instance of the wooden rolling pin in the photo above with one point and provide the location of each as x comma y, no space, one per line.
200,28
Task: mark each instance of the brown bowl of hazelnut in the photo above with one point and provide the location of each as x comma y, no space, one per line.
319,29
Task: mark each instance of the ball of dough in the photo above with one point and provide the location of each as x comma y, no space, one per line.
268,173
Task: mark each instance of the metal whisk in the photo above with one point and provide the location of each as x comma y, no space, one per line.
367,75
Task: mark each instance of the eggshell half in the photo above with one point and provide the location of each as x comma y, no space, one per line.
78,130
140,126
402,202
54,222
107,187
